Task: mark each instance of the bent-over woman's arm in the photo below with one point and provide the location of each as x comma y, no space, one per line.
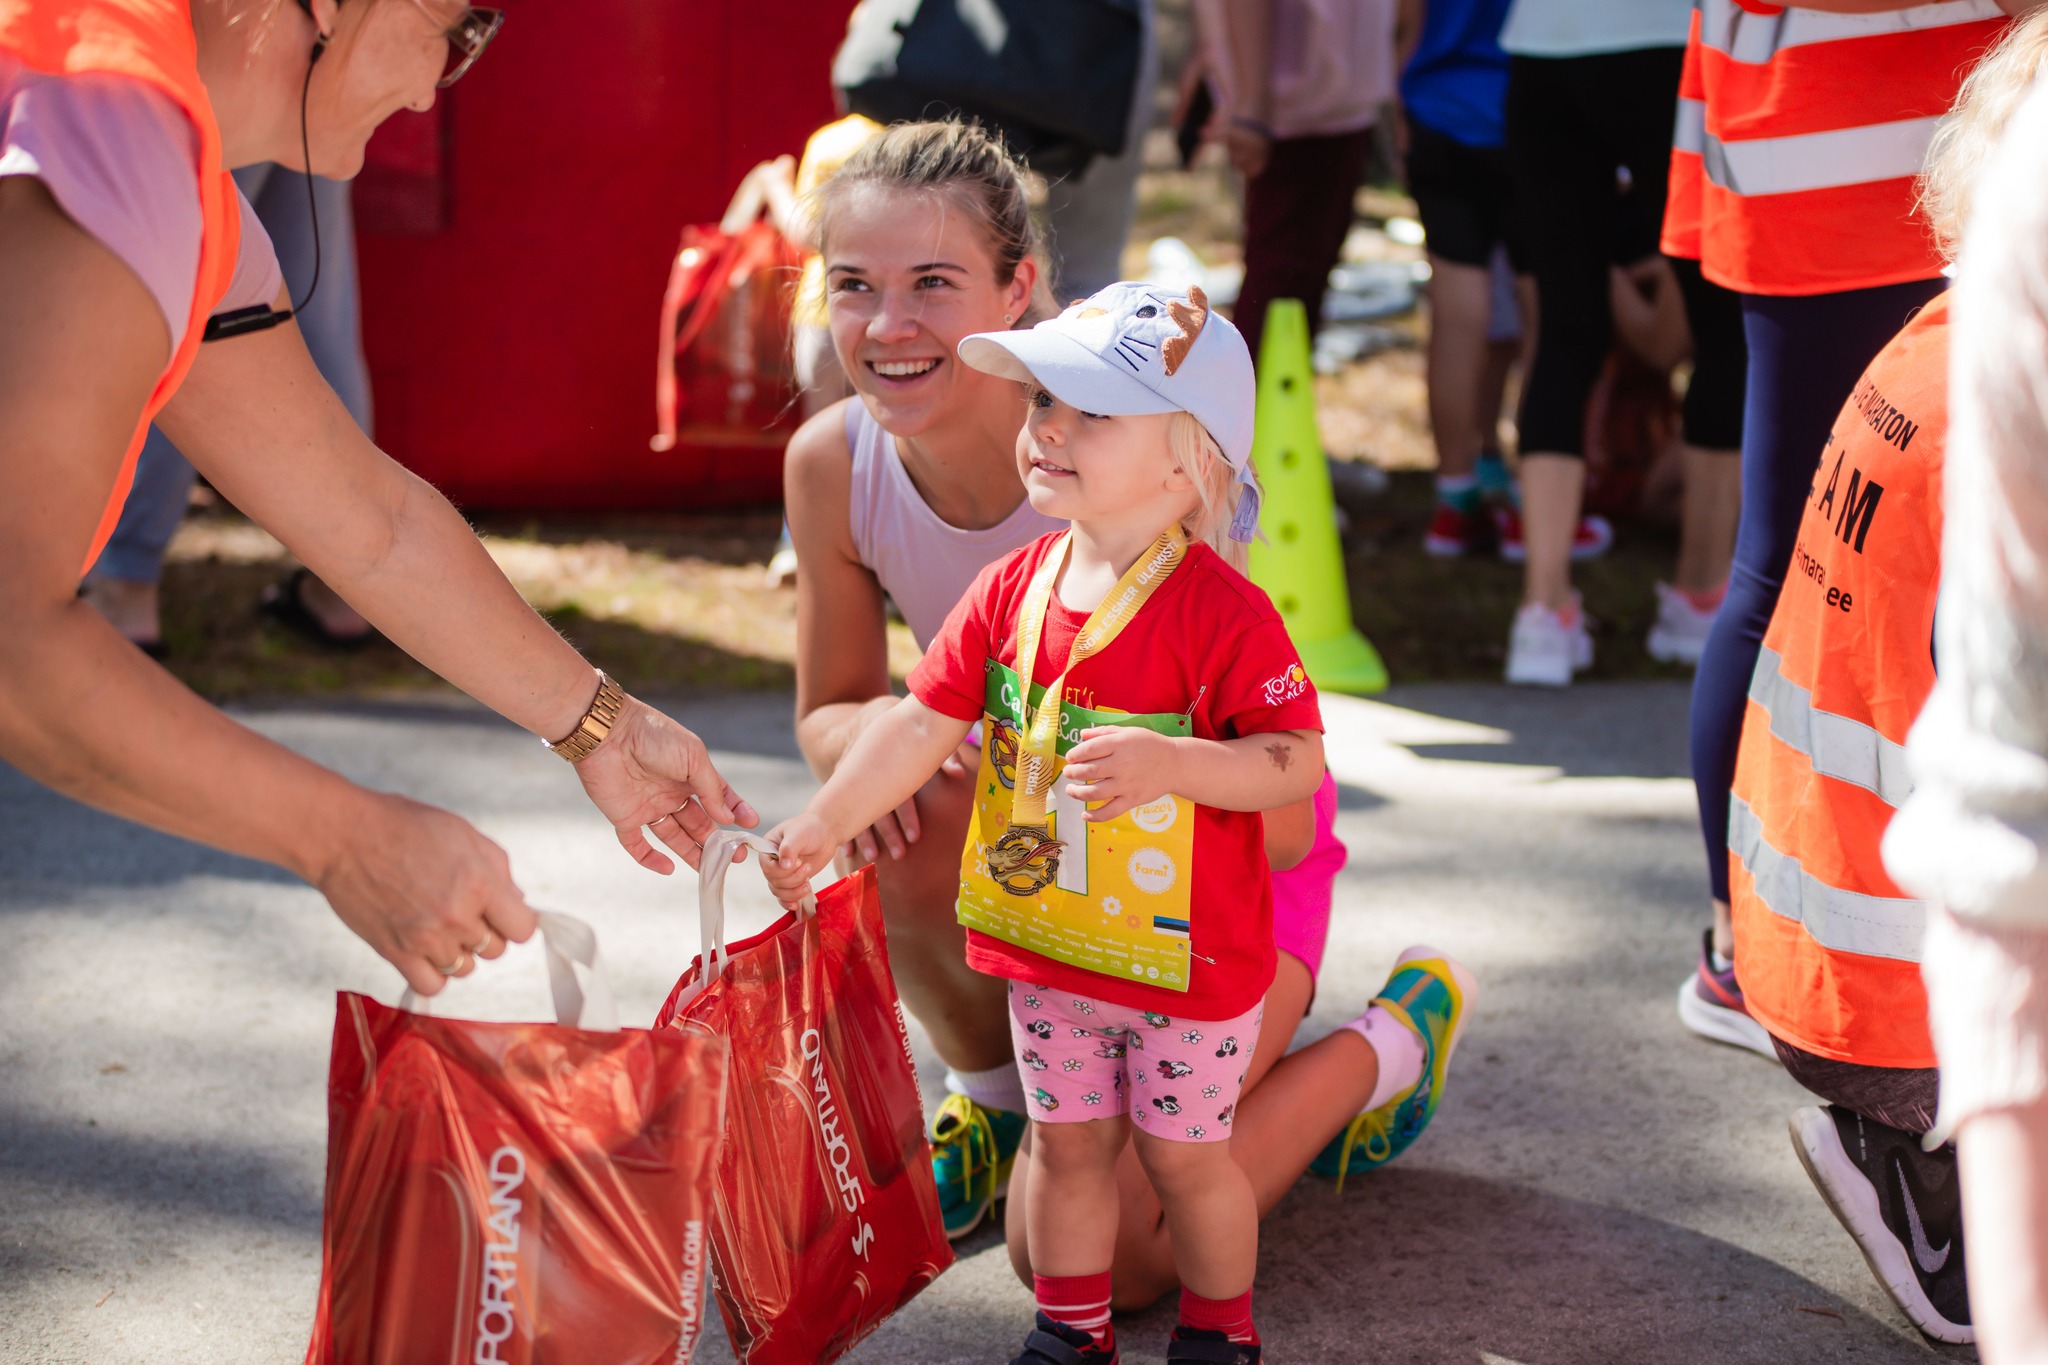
81,710
256,417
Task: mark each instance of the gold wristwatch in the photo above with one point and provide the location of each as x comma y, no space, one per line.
597,722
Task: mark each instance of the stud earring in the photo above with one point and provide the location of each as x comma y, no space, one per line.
1006,319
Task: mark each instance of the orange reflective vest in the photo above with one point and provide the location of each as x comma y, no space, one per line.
149,41
1800,135
1827,948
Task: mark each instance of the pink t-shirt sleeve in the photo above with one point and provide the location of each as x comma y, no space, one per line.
121,160
258,278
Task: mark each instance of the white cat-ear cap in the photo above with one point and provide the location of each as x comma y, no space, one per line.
1135,349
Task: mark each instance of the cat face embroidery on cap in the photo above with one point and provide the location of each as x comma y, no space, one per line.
1189,317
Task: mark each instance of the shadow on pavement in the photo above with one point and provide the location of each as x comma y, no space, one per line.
1420,1265
1641,732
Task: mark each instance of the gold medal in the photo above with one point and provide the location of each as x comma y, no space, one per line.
1025,859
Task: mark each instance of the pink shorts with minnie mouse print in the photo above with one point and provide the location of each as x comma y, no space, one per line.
1082,1059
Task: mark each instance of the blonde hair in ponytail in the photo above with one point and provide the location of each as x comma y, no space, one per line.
1195,451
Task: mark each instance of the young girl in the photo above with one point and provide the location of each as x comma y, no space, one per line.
1136,965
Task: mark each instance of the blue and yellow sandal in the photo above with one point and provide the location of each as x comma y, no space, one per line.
1432,994
974,1149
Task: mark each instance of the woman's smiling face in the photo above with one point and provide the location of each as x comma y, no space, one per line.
909,274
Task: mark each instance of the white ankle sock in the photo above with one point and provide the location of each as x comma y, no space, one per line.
999,1087
1399,1051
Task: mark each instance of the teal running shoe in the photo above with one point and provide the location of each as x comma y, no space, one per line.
973,1152
1433,995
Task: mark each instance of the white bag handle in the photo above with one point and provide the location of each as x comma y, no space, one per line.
711,870
570,943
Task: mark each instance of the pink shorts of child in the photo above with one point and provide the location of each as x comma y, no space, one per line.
1085,1059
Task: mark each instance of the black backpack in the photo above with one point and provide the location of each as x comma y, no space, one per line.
1054,77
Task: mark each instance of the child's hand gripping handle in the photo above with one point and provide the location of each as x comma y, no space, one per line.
722,849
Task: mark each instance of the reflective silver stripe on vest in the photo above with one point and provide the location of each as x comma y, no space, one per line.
1818,161
1838,747
1689,133
1845,921
1755,38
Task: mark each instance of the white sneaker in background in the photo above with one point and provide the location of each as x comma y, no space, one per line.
1680,634
1543,651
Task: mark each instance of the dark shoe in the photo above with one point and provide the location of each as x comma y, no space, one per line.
284,602
1205,1346
1055,1343
1902,1206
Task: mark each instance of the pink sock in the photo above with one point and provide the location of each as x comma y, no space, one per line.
1708,601
1232,1317
1078,1301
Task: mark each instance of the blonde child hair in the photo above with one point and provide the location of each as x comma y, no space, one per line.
1970,131
1216,485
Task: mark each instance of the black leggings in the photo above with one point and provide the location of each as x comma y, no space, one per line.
1574,124
1720,360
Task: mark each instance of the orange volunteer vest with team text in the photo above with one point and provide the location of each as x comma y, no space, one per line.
149,41
1799,137
1827,948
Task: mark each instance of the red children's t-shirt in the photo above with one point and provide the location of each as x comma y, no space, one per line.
1208,645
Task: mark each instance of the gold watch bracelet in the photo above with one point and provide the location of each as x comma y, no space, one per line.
597,722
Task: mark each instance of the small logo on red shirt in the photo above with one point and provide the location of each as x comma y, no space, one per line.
1286,687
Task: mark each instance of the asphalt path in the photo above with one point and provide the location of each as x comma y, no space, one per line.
1599,1186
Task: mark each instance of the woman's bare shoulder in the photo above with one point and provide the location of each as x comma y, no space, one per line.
819,452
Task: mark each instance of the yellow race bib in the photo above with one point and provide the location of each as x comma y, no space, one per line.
1109,897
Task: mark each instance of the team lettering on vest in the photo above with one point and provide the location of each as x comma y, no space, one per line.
1827,946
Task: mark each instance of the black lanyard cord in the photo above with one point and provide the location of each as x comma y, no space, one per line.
262,317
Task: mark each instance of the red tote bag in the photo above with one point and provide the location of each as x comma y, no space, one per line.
517,1194
725,370
825,1219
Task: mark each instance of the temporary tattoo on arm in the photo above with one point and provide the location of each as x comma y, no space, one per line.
1280,755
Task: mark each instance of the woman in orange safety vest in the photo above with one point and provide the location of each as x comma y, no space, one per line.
1801,128
120,235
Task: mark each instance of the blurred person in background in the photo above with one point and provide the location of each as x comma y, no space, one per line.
1797,147
1454,85
120,236
1299,87
1089,215
1973,837
1591,90
124,585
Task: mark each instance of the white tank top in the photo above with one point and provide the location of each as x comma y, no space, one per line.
923,563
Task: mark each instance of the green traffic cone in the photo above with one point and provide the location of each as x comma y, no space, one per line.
1300,562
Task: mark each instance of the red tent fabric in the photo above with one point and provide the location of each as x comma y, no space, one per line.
515,241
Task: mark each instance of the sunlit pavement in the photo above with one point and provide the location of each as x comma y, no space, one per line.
1599,1186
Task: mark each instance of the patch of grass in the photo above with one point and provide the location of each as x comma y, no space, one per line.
1447,619
663,604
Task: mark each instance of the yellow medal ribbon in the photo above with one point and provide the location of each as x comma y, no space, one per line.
1038,736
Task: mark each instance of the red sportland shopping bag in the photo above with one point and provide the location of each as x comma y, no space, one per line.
526,1193
825,1219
